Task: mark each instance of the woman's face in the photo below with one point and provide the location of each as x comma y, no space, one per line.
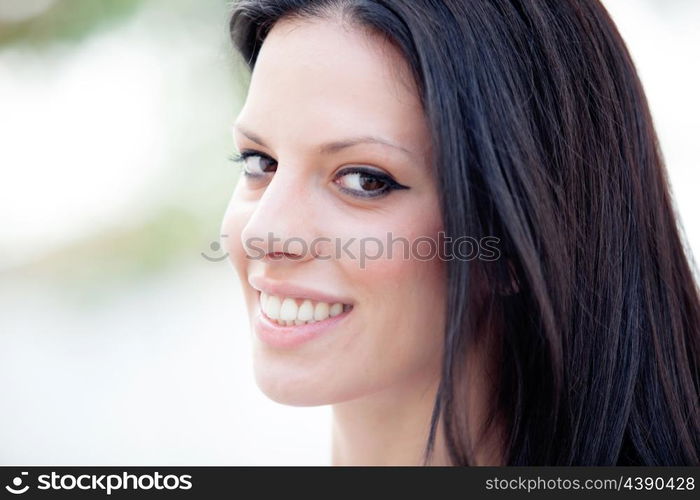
318,92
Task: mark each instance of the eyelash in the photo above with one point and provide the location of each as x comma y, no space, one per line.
391,184
242,156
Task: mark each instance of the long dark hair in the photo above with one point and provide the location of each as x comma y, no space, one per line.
544,139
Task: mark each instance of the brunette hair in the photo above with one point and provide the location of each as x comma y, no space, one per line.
543,138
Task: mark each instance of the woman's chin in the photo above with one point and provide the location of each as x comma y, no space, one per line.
290,387
294,385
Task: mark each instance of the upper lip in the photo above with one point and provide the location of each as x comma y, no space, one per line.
288,289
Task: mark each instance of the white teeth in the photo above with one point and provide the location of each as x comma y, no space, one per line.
336,309
306,311
288,311
285,311
321,311
272,307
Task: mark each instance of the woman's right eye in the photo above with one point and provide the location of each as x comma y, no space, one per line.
254,164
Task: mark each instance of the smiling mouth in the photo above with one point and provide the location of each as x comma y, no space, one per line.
295,311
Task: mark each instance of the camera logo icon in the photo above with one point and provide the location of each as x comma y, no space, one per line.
17,482
215,247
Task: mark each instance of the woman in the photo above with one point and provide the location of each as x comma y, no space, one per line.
521,122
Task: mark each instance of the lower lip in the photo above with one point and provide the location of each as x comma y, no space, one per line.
288,337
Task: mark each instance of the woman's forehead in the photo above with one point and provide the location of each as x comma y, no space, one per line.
324,76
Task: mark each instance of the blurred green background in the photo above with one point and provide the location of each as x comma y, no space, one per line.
116,121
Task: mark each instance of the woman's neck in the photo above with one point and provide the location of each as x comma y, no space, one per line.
387,428
391,427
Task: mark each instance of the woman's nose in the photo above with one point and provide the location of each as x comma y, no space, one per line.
281,224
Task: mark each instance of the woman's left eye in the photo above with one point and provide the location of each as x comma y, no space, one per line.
365,183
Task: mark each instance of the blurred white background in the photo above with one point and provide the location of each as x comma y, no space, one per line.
119,342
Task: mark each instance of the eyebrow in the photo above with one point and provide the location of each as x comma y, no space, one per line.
333,146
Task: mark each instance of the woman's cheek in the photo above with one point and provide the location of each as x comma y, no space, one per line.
400,271
394,251
234,221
